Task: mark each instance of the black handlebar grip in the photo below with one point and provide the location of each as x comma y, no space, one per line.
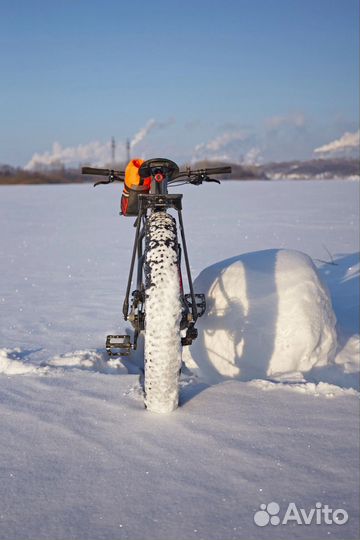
206,171
96,171
218,170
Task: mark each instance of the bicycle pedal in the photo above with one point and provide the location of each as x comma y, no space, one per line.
200,303
119,345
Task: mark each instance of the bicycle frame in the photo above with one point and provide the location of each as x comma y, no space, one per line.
162,172
158,199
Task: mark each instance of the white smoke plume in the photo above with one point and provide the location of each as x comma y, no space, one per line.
149,126
221,141
348,141
233,145
95,152
141,134
253,156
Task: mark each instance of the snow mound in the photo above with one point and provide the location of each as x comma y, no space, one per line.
11,363
268,316
89,360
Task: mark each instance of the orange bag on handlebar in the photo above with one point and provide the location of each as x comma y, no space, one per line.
133,186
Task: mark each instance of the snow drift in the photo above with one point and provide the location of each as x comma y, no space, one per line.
268,315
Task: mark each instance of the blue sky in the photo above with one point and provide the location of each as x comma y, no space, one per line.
243,79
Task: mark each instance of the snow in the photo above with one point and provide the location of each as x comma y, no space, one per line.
11,363
89,360
81,458
319,389
268,315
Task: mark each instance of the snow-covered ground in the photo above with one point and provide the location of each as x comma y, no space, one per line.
81,458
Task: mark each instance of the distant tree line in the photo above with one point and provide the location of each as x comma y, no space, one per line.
316,168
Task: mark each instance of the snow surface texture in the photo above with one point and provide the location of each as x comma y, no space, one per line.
163,310
81,459
268,315
12,363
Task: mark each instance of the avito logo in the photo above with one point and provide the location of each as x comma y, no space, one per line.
269,514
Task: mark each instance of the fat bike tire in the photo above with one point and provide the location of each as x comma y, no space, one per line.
162,314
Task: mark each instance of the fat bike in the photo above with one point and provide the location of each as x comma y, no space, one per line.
158,306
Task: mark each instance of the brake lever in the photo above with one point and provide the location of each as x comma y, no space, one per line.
207,179
200,178
101,182
108,181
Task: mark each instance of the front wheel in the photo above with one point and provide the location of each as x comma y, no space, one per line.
162,314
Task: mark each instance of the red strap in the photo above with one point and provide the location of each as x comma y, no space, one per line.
147,182
124,205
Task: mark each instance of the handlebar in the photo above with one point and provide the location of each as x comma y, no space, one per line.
187,172
196,176
111,174
205,171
